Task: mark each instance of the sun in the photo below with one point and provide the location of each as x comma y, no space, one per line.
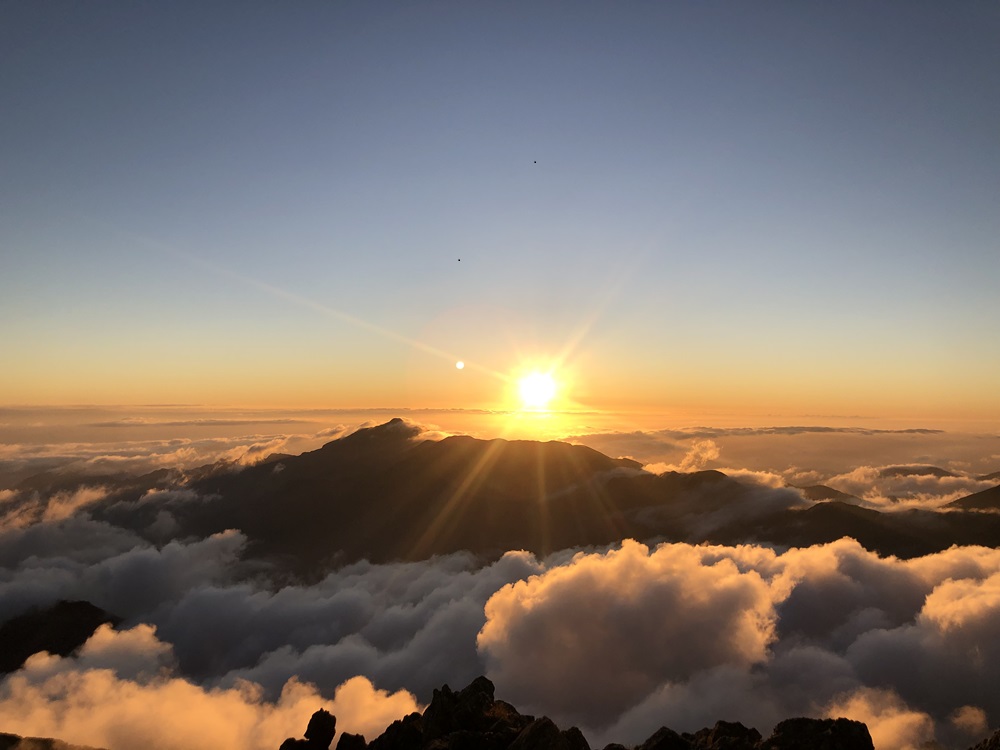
537,389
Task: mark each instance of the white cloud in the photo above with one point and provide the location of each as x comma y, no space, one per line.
904,491
637,619
89,700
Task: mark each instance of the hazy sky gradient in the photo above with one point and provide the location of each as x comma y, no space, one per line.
779,207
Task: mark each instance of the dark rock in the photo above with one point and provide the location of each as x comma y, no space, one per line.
464,739
819,734
322,727
403,734
471,718
574,739
319,734
990,743
466,710
725,735
543,734
665,739
350,741
615,746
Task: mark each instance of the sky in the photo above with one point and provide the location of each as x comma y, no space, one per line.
785,210
759,238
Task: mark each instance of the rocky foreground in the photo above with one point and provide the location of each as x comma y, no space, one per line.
472,719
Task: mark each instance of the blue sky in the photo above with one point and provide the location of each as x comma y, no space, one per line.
763,205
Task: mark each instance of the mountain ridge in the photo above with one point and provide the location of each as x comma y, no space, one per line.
386,493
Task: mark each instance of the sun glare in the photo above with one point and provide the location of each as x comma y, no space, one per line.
537,390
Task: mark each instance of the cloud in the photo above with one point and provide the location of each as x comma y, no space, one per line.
404,624
700,454
619,641
546,638
884,489
130,583
891,723
204,422
104,698
625,641
970,720
78,540
21,460
134,653
824,450
64,504
761,478
22,509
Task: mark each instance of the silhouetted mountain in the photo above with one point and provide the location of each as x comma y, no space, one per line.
59,629
472,719
14,742
916,471
275,457
51,482
993,477
383,493
906,534
985,500
818,492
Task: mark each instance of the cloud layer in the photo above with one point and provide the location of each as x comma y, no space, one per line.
619,641
625,641
120,693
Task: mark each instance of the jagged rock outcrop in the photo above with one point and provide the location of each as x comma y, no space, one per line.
819,734
543,734
665,739
990,743
319,734
470,719
473,719
350,741
402,734
725,735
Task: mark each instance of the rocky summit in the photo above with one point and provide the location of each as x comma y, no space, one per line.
473,719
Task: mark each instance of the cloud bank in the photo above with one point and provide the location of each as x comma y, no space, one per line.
619,641
120,693
623,642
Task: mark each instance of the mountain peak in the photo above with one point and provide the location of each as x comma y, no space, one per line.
396,428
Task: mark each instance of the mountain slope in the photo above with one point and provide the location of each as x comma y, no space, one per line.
385,493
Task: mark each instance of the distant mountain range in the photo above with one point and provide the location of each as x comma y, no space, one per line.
383,493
